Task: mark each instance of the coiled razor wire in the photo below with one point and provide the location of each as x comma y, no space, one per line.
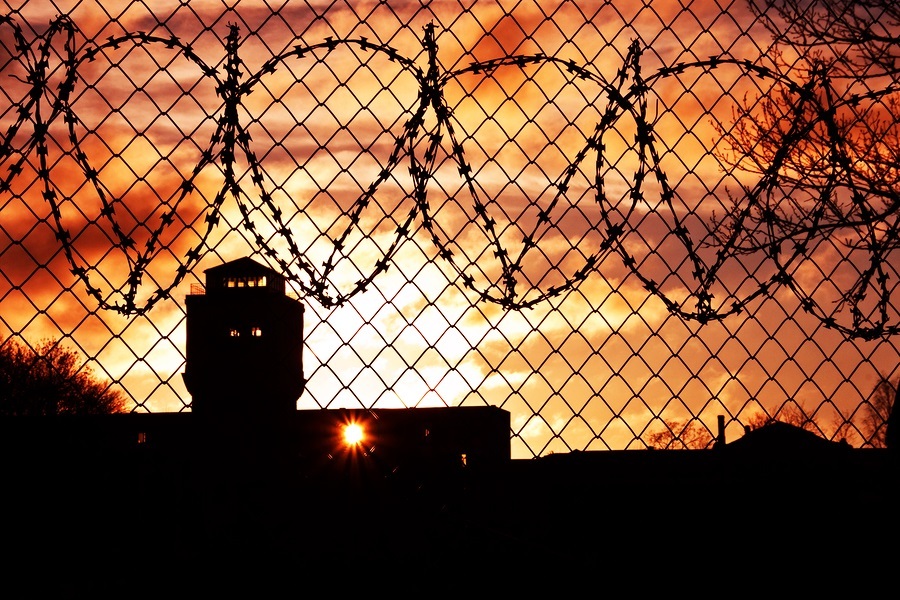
756,225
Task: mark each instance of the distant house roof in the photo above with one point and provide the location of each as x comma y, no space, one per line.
777,436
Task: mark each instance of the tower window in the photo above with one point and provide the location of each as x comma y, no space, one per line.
256,331
234,333
239,282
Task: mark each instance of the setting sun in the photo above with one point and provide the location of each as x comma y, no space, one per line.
606,222
353,434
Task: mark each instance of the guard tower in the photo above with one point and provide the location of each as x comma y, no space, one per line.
244,344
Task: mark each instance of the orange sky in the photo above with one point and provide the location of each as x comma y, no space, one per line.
589,369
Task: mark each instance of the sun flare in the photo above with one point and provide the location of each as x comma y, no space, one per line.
353,434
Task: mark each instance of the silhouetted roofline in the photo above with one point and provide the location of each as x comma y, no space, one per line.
240,264
780,436
245,267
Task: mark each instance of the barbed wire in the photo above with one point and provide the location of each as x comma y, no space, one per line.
784,242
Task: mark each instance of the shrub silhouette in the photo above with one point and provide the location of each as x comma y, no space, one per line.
49,379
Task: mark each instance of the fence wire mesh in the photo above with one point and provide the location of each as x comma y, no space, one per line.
618,221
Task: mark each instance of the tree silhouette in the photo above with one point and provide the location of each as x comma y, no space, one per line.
824,141
877,410
49,380
680,435
836,154
863,36
892,426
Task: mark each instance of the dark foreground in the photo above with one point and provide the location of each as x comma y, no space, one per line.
260,517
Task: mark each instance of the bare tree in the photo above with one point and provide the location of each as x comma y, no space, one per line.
824,141
844,431
876,411
680,435
862,36
49,379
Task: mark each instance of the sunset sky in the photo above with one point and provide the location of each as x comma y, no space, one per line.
595,367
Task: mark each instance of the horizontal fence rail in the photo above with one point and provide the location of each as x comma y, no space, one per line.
628,225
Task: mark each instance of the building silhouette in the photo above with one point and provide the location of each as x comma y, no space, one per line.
246,483
244,348
244,371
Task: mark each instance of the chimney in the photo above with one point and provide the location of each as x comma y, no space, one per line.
720,437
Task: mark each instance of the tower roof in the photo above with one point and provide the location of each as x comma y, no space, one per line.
247,269
240,266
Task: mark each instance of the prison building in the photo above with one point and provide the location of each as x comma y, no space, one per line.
244,346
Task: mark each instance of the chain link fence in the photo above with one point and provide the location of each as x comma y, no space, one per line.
617,221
